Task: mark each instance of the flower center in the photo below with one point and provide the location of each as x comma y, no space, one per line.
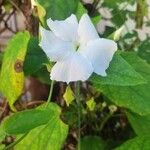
77,45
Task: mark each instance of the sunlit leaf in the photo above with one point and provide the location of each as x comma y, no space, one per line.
91,104
50,136
12,76
68,95
24,121
96,19
138,143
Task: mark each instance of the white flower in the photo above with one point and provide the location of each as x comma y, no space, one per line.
76,48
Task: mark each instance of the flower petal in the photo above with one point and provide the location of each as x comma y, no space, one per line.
100,52
66,30
75,68
55,48
86,30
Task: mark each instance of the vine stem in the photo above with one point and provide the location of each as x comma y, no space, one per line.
50,94
79,115
139,14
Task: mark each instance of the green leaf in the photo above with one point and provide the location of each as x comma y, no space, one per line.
2,134
35,58
80,10
42,75
1,59
96,19
144,50
138,143
50,136
58,9
135,98
92,143
140,124
69,95
22,122
119,73
111,4
12,76
2,146
91,104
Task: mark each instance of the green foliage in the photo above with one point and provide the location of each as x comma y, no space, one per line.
140,124
70,114
12,76
136,97
80,10
1,59
68,95
42,75
43,124
126,85
50,136
91,104
96,19
2,134
58,9
2,146
22,122
144,50
92,143
35,58
138,143
111,4
119,16
120,75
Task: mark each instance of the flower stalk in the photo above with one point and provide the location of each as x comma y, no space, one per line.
50,93
77,94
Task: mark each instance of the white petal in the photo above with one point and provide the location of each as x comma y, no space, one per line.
100,53
66,29
55,48
75,68
86,30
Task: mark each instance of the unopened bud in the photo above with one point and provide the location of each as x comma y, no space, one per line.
118,33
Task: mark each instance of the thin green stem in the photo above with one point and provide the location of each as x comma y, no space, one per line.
79,115
105,121
50,94
16,142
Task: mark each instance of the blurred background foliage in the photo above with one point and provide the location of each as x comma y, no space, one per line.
110,113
